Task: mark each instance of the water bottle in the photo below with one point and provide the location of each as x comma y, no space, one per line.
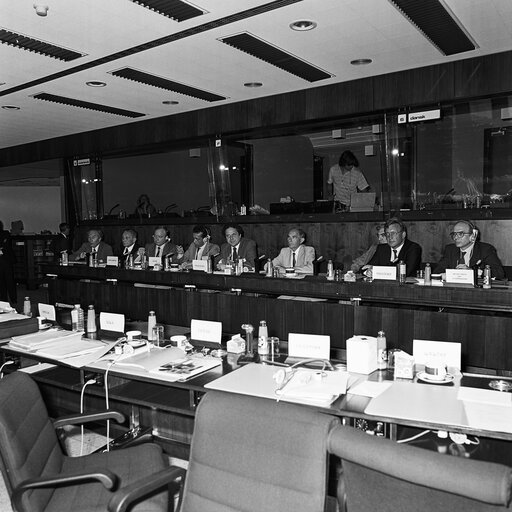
91,319
428,275
330,270
77,318
270,268
27,308
263,339
402,272
381,351
64,258
151,324
487,277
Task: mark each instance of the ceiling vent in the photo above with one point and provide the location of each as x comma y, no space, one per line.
175,9
437,24
33,45
85,104
262,50
164,83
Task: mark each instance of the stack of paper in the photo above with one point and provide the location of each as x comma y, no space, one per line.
37,340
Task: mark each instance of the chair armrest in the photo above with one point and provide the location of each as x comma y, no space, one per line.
107,478
126,495
78,419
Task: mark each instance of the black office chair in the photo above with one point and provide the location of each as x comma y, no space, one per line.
39,476
256,455
379,474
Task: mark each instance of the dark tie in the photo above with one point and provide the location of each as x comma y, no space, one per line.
462,261
125,253
293,259
235,255
395,256
158,251
197,253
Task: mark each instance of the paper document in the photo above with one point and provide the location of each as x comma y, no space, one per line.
488,417
148,360
369,388
184,369
485,396
37,340
70,347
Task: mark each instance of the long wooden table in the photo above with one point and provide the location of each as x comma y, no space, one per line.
479,319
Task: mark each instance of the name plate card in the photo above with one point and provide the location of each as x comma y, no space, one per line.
112,261
47,311
309,346
154,260
205,330
460,276
384,272
200,265
112,322
442,352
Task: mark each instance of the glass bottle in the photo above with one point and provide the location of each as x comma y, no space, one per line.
487,278
263,339
77,318
402,272
381,351
151,324
27,308
91,319
330,270
428,275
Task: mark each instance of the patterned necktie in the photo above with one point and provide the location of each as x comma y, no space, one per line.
395,256
462,260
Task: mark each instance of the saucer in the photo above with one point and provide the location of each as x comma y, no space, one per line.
136,343
433,379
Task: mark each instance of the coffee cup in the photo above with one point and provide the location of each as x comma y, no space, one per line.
436,371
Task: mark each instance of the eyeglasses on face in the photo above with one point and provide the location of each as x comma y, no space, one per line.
458,234
392,234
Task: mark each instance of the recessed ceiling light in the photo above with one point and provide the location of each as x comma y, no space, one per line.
170,102
95,83
303,25
360,62
253,84
10,107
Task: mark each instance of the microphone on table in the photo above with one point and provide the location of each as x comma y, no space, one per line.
112,209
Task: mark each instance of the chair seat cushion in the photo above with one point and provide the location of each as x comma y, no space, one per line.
129,465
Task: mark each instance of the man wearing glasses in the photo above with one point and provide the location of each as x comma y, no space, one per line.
398,248
362,260
467,252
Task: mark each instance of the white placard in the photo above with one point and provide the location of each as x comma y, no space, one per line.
47,311
205,330
200,265
112,322
309,346
442,352
112,261
154,260
460,276
384,272
426,115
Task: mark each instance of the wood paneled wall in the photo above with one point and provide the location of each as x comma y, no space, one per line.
482,76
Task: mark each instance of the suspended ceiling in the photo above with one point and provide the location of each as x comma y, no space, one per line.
193,55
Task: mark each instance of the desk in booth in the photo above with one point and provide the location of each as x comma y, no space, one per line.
479,319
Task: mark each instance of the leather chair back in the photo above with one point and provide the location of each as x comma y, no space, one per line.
255,454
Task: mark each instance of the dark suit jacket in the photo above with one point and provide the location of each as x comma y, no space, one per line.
246,250
485,253
123,257
410,254
168,248
104,250
60,244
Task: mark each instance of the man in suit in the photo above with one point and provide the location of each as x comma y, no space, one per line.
129,247
237,247
94,245
467,252
162,247
296,255
7,282
63,242
200,249
398,248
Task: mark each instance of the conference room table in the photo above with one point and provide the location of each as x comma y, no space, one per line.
168,407
479,319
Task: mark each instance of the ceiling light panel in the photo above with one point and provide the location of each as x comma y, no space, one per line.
260,49
86,104
175,9
436,24
34,45
164,83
